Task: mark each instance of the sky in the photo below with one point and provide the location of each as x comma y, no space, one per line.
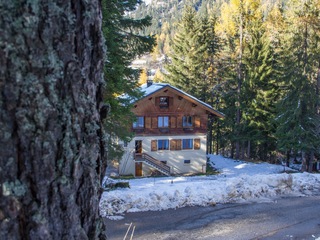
238,181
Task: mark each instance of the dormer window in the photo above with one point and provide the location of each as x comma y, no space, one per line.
164,102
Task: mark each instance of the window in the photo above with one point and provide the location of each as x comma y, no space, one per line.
125,144
187,143
139,123
164,102
187,161
163,122
187,121
163,144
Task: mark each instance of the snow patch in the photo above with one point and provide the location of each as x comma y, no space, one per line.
238,182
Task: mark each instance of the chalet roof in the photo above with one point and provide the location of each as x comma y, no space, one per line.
155,87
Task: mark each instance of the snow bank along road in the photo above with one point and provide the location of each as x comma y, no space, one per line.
286,218
238,182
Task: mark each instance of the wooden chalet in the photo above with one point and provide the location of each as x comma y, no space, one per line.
170,133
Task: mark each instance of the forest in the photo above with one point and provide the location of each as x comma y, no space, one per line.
65,64
257,62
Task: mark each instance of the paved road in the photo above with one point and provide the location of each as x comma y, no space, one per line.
287,218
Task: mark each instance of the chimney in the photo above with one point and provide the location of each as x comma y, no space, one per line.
149,82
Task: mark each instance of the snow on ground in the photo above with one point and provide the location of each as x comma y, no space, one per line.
238,181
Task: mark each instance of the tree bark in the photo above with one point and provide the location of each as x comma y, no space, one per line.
51,73
304,159
249,150
311,162
288,158
210,135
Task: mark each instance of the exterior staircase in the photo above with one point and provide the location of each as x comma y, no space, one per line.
152,162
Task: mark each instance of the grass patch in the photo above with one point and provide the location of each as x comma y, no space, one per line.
125,177
211,170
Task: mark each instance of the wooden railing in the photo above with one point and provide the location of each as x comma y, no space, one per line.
151,161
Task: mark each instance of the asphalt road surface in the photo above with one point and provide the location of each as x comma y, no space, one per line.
286,218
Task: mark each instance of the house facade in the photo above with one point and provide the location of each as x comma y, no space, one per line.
170,133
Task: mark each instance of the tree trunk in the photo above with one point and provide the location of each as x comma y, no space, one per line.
311,161
232,150
288,158
249,150
304,161
51,62
239,74
243,149
210,135
218,136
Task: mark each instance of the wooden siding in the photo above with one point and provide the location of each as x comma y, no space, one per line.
178,106
196,144
175,144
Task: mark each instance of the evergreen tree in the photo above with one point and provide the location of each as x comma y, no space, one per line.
260,92
208,53
208,45
232,27
183,69
193,58
297,112
123,46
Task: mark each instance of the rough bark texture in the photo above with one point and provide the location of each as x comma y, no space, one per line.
51,61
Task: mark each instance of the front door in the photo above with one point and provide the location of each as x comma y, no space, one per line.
138,169
138,153
138,144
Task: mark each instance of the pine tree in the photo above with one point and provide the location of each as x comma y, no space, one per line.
123,46
232,27
183,69
193,64
260,93
208,45
297,112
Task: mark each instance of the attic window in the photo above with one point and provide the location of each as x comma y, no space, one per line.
164,102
